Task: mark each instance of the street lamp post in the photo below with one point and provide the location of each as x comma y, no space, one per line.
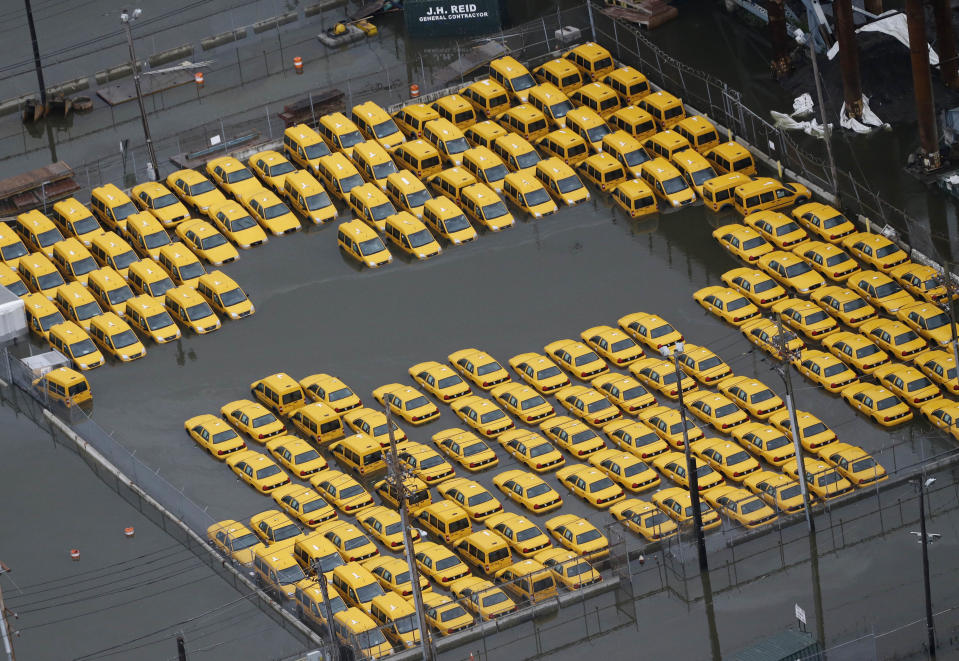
127,19
676,351
922,483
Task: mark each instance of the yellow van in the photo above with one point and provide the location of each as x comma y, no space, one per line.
666,144
603,170
110,289
307,196
12,280
318,422
373,162
111,206
667,183
181,265
224,295
486,166
628,83
77,304
42,314
159,201
731,157
526,192
446,520
448,140
371,204
376,124
147,315
627,150
419,157
528,580
483,206
315,553
74,343
279,392
360,241
148,277
598,97
310,604
338,175
397,618
412,118
694,168
561,181
146,235
700,132
304,146
485,550
635,197
589,126
513,76
339,133
767,194
565,145
114,336
108,249
516,152
41,276
38,232
446,219
411,236
592,59
552,102
73,260
187,307
482,134
635,121
358,453
666,109
418,493
452,181
718,192
359,631
277,572
74,219
526,121
357,585
488,97
561,73
11,247
407,192
64,385
456,110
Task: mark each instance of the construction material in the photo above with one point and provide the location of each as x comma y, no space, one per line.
946,43
305,111
333,39
922,86
650,14
29,190
125,91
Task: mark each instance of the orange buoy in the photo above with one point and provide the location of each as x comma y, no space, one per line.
74,554
414,91
128,531
298,64
198,78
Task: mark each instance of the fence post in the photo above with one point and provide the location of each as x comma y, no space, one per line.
592,26
619,50
312,114
545,32
269,124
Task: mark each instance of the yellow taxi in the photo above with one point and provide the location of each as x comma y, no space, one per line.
353,626
765,193
635,121
73,342
371,205
650,329
854,464
576,358
41,276
484,599
755,285
765,335
728,458
727,304
743,242
627,150
628,83
304,504
528,490
341,491
72,219
528,580
637,438
920,280
339,132
523,536
752,395
572,435
439,563
550,100
77,304
411,118
598,97
472,496
203,239
766,442
877,403
825,370
894,337
731,156
589,405
828,259
624,391
108,249
778,490
644,519
360,241
929,320
486,167
523,402
234,540
677,504
439,380
612,344
579,536
944,414
296,455
162,204
513,76
397,619
12,281
270,212
483,134
667,182
592,59
308,197
565,146
38,232
716,410
456,109
528,194
667,144
232,177
823,480
790,270
448,221
908,383
448,140
560,73
478,367
694,168
393,574
844,304
406,402
109,288
539,371
660,375
484,206
276,529
407,192
423,462
626,469
195,189
419,157
42,315
351,543
452,181
145,234
635,197
252,419
376,124
880,291
777,228
372,423
531,450
666,109
488,97
411,236
699,131
186,306
257,470
236,224
876,250
940,366
516,152
111,206
224,295
824,221
482,415
114,336
806,317
857,351
741,506
466,449
318,422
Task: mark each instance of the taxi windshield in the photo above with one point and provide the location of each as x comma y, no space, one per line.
241,223
290,574
495,173
532,402
385,128
199,311
381,211
371,246
51,320
50,280
457,223
675,185
383,170
269,471
82,348
201,187
420,238
124,339
494,210
317,201
317,150
275,211
87,310
418,198
535,197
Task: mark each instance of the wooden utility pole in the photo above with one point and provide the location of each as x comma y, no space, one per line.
180,648
4,625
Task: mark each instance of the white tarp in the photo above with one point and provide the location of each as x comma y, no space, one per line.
895,26
784,121
13,319
868,123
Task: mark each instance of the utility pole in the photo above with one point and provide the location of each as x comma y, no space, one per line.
787,356
396,477
4,625
180,648
924,482
677,351
321,577
36,54
945,278
127,19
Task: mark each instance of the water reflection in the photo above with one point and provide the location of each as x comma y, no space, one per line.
816,589
181,356
714,647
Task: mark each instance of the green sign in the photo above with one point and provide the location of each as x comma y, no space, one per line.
436,18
